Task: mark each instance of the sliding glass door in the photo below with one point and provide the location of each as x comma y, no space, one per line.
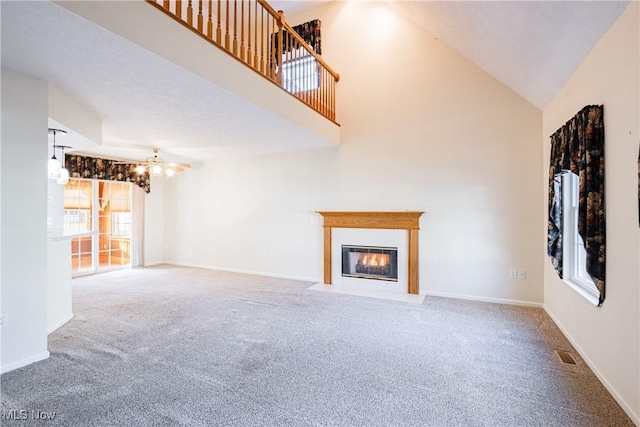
104,207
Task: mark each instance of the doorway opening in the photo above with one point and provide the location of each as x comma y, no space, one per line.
105,208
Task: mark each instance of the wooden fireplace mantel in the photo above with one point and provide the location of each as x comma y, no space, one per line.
409,221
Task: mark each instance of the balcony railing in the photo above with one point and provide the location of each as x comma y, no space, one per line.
255,34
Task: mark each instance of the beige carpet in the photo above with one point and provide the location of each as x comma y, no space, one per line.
169,346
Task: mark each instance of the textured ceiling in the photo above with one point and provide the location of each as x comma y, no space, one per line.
533,47
186,116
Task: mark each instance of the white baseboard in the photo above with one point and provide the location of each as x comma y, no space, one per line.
625,407
483,299
255,273
151,264
24,362
59,323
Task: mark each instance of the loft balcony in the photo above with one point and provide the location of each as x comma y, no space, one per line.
258,36
207,82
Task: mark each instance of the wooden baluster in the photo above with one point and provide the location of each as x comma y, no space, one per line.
298,74
327,80
331,105
210,22
200,16
249,53
291,54
322,86
242,57
262,69
285,57
314,93
280,48
333,100
226,35
272,49
190,14
235,27
218,27
324,93
329,97
179,8
166,4
255,44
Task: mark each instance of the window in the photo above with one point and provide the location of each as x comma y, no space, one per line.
301,73
104,207
77,220
574,254
121,224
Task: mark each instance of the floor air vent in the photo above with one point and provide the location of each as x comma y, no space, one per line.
566,357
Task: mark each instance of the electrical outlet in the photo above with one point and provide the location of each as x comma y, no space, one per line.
522,274
513,274
3,320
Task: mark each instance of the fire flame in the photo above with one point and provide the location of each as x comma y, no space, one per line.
376,260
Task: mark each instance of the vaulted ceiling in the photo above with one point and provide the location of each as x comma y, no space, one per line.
533,47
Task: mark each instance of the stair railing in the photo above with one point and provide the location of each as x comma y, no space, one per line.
255,34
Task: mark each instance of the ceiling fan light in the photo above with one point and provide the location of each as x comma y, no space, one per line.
169,172
140,169
156,169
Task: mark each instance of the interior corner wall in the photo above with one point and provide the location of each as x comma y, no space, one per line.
23,295
608,336
154,223
423,129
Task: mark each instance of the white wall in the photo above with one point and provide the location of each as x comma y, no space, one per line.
422,129
608,336
24,227
154,223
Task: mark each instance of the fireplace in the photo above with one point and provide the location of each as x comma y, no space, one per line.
370,262
390,237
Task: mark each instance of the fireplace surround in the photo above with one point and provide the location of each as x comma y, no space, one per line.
408,220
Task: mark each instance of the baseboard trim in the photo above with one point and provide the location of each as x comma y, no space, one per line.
24,362
483,299
255,273
635,418
151,264
59,323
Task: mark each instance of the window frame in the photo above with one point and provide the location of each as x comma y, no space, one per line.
573,251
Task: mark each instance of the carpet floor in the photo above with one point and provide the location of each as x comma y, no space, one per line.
172,346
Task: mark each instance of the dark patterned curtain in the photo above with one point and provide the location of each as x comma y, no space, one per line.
578,146
110,170
310,33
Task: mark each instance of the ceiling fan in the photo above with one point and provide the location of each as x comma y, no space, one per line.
157,166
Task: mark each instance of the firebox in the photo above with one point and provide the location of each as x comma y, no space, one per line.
370,262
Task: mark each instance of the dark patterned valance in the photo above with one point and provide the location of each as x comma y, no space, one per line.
310,33
578,146
110,170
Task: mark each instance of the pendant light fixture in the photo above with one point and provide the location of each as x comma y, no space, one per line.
53,167
64,172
